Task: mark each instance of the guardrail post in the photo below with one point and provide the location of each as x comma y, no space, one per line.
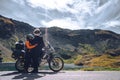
1,56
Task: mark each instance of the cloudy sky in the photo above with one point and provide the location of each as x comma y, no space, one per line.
71,14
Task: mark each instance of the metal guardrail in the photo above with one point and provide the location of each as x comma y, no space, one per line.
11,66
7,66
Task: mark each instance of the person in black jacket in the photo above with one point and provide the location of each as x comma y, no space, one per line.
37,51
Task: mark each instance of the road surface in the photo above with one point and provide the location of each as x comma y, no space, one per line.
63,75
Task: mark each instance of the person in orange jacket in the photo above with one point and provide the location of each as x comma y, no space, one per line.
29,47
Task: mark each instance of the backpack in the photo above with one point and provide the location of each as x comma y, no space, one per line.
19,50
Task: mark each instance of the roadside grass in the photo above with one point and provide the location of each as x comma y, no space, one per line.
102,63
106,61
74,59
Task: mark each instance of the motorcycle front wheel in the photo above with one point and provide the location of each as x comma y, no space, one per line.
56,64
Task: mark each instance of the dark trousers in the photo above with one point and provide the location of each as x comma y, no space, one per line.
28,60
36,57
33,59
36,61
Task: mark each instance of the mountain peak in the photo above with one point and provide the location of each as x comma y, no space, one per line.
7,21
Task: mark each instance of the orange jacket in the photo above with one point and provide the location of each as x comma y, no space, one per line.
29,45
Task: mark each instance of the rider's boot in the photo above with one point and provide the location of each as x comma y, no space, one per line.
25,71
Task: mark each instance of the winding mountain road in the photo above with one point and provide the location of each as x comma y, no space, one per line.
63,75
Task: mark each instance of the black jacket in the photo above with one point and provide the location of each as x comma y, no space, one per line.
38,40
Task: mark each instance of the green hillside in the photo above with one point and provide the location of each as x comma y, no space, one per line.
81,47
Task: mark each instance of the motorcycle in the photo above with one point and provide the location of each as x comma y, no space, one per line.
54,62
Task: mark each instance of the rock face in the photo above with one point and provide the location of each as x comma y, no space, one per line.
77,40
9,27
10,31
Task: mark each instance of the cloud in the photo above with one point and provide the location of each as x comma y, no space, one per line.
71,14
19,10
112,23
72,6
105,14
64,23
61,5
21,2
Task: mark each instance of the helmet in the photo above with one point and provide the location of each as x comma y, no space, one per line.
37,32
29,37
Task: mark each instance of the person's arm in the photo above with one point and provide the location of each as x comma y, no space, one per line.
29,46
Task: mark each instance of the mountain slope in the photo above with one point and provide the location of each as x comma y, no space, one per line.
100,40
10,31
66,42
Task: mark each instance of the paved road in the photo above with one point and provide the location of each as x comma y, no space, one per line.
63,75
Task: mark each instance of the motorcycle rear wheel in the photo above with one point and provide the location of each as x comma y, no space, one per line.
19,65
